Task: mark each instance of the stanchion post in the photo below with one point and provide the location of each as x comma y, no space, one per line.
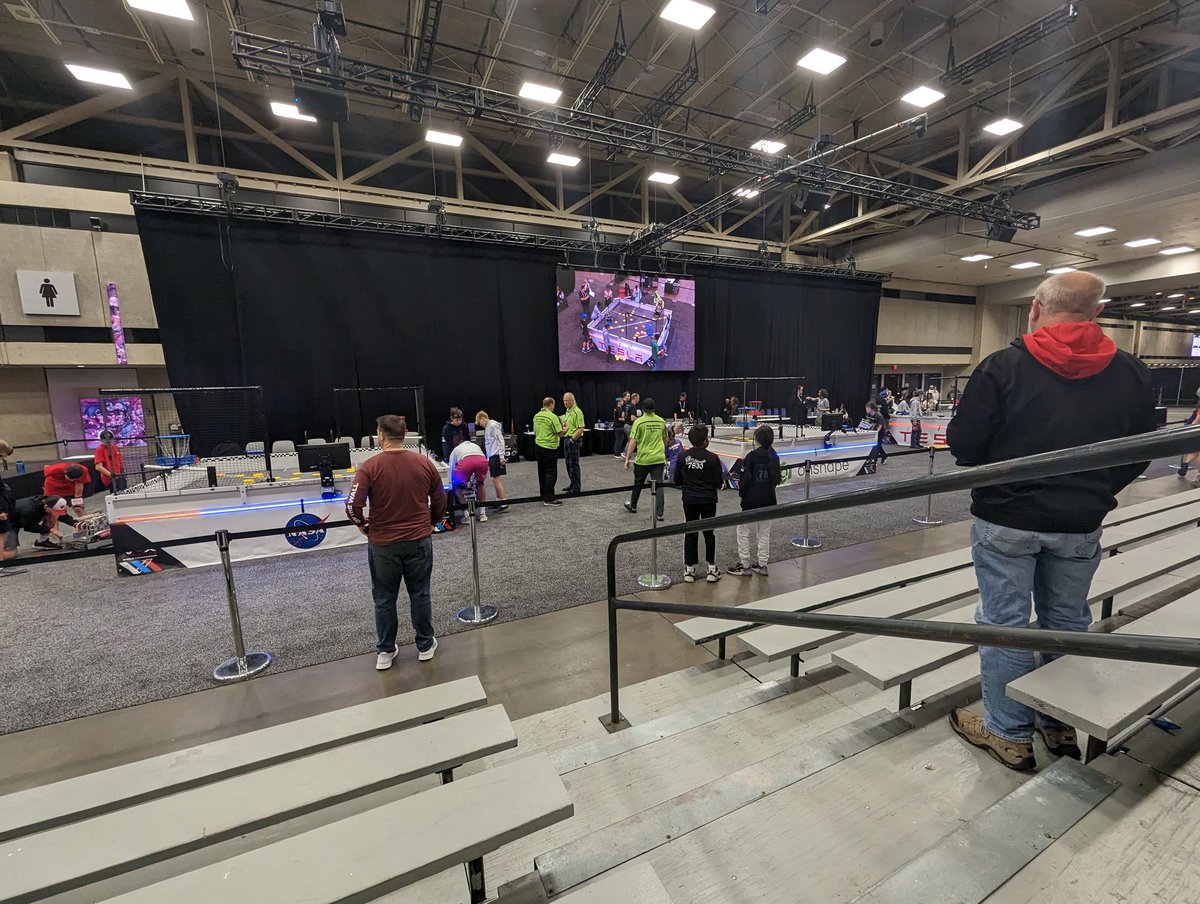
477,614
654,580
243,665
807,541
928,520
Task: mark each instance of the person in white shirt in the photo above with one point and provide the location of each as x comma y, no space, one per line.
466,461
493,441
935,398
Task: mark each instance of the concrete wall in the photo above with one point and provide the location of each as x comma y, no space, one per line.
924,333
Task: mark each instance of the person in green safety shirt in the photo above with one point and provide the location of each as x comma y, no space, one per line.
648,440
573,427
547,435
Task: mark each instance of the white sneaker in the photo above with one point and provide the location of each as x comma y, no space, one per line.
426,655
760,569
383,661
714,574
689,574
483,517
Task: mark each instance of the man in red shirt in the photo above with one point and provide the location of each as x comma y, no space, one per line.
108,463
66,479
406,497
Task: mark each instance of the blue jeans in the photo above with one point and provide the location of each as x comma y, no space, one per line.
571,454
410,561
1013,566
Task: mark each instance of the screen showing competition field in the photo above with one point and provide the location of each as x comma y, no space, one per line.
625,321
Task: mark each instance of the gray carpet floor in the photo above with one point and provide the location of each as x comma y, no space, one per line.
82,640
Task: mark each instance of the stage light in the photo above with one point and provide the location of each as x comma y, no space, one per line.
176,9
1177,249
290,111
746,192
922,96
1196,311
1138,304
99,76
1142,243
1003,126
1054,271
1024,265
1175,295
543,94
975,258
1169,307
820,61
767,146
687,13
1092,231
664,178
433,136
562,159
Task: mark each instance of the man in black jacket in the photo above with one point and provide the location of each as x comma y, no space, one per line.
454,431
1062,384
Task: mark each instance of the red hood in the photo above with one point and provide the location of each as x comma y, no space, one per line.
1073,350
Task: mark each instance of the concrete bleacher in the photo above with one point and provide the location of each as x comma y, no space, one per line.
130,831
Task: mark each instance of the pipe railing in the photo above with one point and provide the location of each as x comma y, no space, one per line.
1110,453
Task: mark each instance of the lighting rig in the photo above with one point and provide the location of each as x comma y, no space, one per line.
431,17
964,73
604,75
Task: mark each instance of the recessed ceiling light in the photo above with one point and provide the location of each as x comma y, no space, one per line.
1003,126
664,178
99,76
1055,271
290,111
767,146
922,96
1142,243
562,159
974,258
1095,230
1169,307
687,12
1177,249
543,94
1175,295
1138,304
820,61
746,192
447,138
1196,311
1025,265
176,9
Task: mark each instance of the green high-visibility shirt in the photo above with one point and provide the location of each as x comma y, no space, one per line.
546,429
574,418
647,432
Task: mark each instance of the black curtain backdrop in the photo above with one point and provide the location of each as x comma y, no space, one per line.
301,309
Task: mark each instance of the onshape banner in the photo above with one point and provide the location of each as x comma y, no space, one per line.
48,293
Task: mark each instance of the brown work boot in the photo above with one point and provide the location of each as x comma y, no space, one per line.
1008,753
1061,740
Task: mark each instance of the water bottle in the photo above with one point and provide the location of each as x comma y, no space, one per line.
20,466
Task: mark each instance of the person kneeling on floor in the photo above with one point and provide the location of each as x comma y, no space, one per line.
41,515
699,473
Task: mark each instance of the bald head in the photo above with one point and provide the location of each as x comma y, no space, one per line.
1066,297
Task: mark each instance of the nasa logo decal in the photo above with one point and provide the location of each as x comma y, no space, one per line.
305,537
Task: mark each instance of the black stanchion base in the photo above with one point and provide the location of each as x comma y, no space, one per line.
233,670
468,616
613,727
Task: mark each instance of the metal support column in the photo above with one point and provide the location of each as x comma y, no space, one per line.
794,665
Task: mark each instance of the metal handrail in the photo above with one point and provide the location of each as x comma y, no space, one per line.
1107,454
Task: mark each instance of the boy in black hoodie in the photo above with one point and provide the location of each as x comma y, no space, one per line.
699,473
760,476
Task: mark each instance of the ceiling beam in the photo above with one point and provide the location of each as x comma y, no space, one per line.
189,124
513,176
610,184
380,165
85,109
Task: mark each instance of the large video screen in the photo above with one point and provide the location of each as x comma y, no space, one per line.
123,415
625,321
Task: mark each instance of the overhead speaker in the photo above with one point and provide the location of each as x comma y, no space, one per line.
327,106
876,34
813,201
1000,233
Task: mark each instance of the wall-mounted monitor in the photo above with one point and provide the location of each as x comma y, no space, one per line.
624,322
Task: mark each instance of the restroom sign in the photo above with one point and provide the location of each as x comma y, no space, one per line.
48,293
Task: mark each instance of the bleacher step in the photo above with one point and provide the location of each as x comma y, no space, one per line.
577,861
970,863
634,883
709,709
